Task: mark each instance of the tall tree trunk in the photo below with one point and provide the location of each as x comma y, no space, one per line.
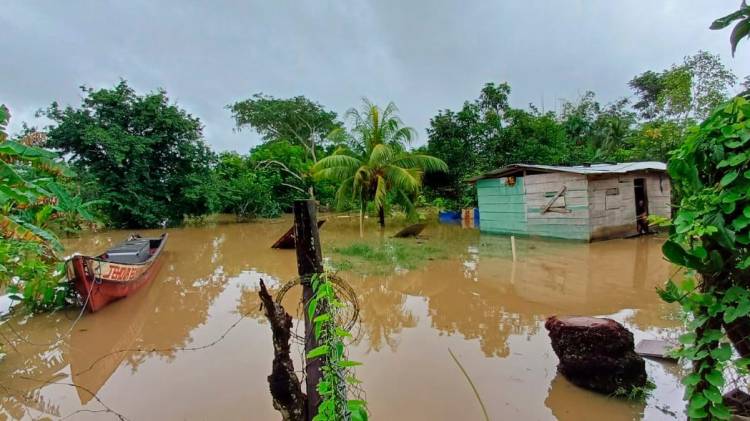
362,220
381,216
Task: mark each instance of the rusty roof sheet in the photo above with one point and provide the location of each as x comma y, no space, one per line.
617,168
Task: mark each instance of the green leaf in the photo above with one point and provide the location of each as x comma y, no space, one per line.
720,411
715,378
322,318
311,308
349,363
737,159
727,20
728,178
317,352
697,413
713,394
687,338
670,293
723,353
677,255
697,322
698,401
741,30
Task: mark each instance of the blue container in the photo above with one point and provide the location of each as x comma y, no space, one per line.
449,216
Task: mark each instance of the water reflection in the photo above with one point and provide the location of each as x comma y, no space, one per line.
486,307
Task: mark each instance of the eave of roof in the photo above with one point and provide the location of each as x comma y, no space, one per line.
593,169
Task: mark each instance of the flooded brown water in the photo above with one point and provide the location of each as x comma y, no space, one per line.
171,351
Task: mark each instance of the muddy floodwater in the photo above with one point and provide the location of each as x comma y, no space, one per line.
194,345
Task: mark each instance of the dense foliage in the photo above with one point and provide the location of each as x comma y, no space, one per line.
145,156
34,205
375,166
710,237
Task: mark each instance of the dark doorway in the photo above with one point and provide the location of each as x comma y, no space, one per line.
641,205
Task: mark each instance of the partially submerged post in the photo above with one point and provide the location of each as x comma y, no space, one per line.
309,263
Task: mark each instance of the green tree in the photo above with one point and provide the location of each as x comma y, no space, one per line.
295,120
147,155
684,92
242,189
377,164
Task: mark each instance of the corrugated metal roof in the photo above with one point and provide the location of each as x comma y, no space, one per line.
619,168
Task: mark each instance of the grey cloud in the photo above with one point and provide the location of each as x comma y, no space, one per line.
424,56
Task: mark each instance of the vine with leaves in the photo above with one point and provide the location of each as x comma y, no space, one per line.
710,238
338,377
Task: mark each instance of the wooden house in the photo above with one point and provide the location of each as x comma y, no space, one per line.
587,202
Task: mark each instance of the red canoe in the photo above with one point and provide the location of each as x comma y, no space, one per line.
118,272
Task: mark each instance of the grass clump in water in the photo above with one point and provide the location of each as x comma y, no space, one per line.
389,255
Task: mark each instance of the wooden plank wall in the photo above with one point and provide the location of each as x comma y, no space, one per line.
614,216
502,208
659,192
571,225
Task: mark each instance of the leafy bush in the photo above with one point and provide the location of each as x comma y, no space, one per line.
33,203
710,238
146,155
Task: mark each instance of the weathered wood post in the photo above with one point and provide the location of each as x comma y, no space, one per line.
309,262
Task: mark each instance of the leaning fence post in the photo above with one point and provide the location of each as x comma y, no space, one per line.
309,262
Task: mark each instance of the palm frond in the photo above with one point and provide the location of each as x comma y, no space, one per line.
337,160
381,155
403,179
421,161
381,192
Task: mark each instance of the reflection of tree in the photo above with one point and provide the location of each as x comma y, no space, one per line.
382,312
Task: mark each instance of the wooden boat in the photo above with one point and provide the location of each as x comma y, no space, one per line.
118,272
286,241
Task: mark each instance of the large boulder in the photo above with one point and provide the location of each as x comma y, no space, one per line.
596,353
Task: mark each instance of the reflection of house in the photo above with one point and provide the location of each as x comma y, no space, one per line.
588,202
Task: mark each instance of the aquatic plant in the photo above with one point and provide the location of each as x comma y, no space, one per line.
710,239
389,255
338,378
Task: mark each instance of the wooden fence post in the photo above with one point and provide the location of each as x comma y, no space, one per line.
309,262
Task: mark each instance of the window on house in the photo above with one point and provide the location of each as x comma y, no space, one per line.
612,199
559,202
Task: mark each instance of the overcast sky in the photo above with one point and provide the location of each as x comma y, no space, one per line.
424,56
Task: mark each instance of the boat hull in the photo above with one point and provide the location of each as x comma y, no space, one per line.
100,282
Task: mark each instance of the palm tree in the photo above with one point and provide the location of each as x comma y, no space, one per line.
374,163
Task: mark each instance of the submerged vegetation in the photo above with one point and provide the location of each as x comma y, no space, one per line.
389,255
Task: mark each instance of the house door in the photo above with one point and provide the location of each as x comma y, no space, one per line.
641,205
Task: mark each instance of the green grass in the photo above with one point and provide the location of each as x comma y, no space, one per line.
385,257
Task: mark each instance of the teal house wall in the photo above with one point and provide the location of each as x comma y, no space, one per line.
502,208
